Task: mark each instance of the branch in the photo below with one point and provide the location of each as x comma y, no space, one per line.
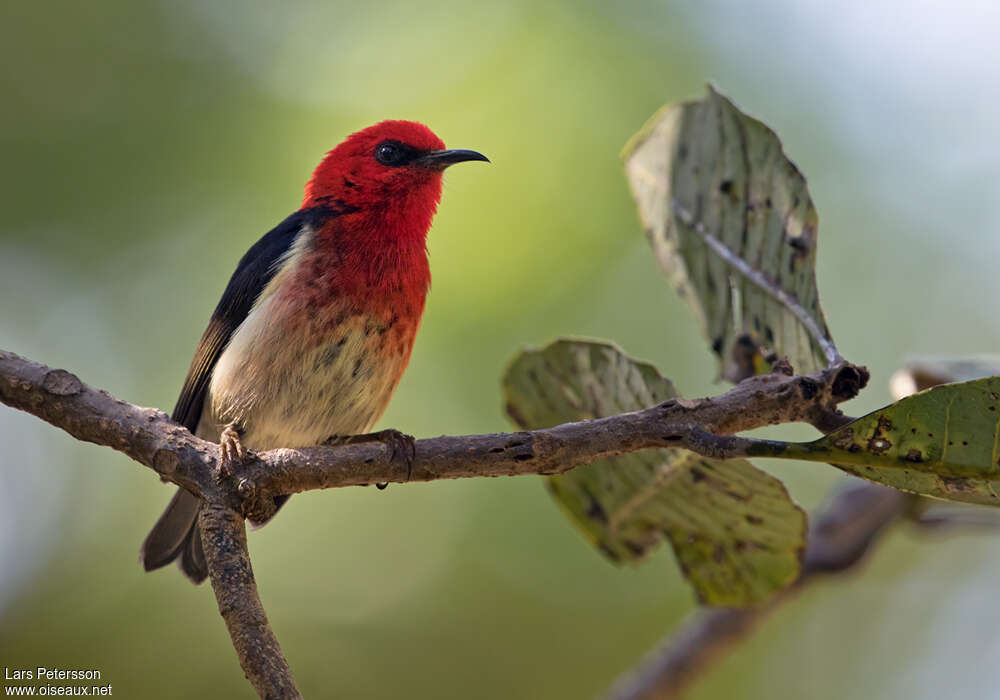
149,437
840,536
224,537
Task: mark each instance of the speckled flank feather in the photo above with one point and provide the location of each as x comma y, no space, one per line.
298,371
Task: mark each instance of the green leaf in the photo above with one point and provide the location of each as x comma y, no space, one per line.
736,533
943,442
732,224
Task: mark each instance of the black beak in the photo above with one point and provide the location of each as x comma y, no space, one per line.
439,160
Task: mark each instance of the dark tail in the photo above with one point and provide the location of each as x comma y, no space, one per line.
176,535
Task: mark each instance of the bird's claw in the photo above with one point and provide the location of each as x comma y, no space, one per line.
231,451
401,446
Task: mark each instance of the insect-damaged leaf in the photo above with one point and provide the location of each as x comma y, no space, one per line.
735,532
731,222
943,442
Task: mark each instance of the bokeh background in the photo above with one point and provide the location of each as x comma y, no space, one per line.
146,144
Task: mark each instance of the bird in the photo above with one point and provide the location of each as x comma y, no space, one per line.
315,327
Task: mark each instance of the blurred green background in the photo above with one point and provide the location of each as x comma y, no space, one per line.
146,145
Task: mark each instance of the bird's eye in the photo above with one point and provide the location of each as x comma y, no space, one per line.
390,154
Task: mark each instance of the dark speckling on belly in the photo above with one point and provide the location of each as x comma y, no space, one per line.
287,389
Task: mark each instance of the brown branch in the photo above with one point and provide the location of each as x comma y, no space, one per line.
699,425
681,657
840,536
149,437
224,536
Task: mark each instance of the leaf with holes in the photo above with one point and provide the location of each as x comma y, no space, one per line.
732,224
736,533
943,442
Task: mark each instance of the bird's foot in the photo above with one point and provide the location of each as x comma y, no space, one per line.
401,447
231,451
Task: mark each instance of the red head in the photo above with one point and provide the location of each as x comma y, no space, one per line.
385,183
390,171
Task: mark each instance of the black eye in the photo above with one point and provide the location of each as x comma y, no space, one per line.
391,154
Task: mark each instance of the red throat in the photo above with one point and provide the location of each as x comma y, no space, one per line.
378,249
374,250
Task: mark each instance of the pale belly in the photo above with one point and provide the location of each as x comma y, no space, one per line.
286,388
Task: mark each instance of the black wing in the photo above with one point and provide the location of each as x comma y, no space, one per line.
255,270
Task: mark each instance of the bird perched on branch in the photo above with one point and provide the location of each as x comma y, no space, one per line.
316,326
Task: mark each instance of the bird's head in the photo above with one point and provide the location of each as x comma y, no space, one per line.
393,164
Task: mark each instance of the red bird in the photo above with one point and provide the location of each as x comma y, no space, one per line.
316,326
